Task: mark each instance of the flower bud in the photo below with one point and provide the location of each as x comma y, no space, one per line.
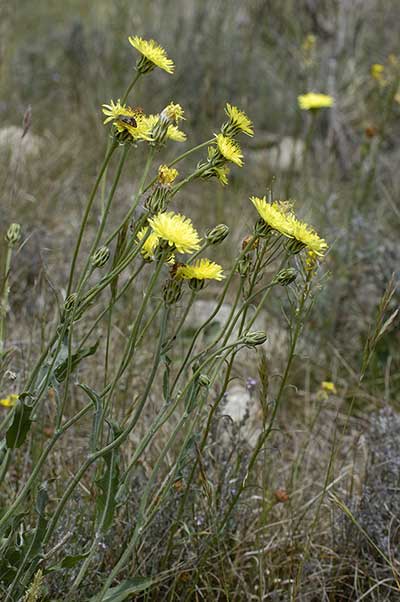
257,337
13,234
216,235
172,292
244,266
100,257
70,302
285,276
157,199
204,381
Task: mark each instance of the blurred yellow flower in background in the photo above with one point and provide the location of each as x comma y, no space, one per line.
314,100
9,401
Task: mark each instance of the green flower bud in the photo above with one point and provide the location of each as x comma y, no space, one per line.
13,234
100,257
244,266
285,276
70,302
157,199
204,381
257,337
172,291
216,235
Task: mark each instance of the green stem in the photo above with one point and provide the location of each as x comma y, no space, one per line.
86,216
4,297
129,88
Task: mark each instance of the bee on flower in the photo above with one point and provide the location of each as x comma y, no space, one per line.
152,55
129,123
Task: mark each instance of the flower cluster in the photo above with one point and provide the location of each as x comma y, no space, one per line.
278,216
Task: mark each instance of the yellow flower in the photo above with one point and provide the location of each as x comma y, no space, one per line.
173,133
202,269
329,387
177,230
133,121
150,245
274,214
173,112
238,122
9,401
166,175
377,72
313,100
153,55
222,174
229,149
305,235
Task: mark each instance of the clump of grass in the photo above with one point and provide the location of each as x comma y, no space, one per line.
166,425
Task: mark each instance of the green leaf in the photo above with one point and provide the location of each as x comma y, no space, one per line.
98,416
60,370
20,426
120,592
68,562
108,486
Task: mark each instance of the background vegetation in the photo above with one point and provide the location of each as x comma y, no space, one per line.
322,523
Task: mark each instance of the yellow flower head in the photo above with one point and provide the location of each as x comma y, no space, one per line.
238,122
9,401
313,100
275,214
202,269
126,119
222,174
173,112
305,235
229,149
377,72
329,387
153,55
177,230
166,175
150,123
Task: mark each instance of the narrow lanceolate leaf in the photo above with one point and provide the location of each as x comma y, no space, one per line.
61,369
20,426
108,487
97,418
125,589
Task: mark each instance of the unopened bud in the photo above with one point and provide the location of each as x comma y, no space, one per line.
244,266
257,337
172,291
13,234
100,257
216,235
285,276
157,199
70,302
204,381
